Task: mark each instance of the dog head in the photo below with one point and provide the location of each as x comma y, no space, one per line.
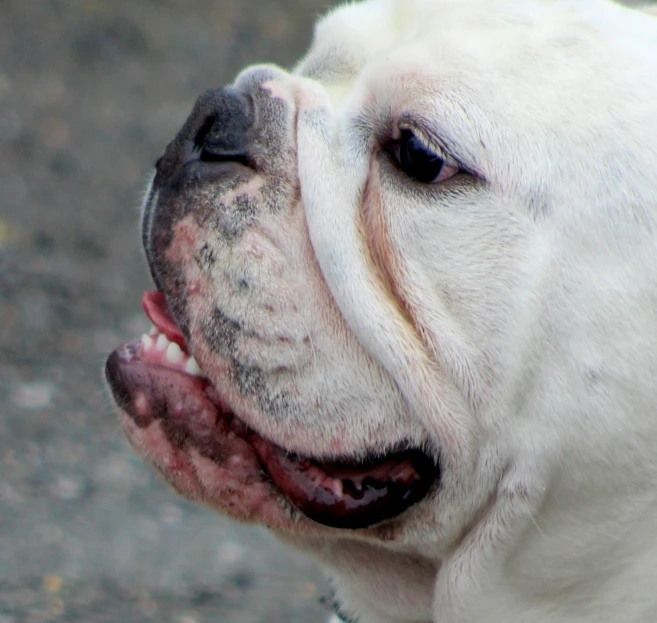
417,278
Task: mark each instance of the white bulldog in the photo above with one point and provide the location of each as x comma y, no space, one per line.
406,309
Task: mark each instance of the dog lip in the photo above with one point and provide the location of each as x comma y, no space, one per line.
342,493
157,309
349,495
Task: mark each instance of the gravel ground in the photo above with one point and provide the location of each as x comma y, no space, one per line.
90,93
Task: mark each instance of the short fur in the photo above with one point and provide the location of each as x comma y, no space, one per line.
505,320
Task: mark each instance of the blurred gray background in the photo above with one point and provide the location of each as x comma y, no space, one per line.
91,91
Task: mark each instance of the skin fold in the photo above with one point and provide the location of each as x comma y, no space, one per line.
501,319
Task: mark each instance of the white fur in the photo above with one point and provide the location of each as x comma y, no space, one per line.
505,320
531,357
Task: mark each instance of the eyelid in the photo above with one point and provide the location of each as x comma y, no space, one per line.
430,144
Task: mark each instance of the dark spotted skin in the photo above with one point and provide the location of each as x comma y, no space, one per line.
185,185
226,239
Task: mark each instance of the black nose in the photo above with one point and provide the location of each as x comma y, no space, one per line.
227,116
218,130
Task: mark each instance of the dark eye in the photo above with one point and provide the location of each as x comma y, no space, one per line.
420,163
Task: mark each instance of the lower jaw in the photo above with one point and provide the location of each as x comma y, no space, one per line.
339,493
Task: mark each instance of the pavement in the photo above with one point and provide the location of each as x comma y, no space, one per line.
91,91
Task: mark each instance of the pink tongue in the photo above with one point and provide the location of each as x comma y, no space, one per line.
157,309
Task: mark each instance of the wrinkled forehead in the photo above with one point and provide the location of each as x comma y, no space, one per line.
375,33
386,61
500,73
467,38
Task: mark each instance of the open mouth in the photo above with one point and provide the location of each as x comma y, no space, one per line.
157,379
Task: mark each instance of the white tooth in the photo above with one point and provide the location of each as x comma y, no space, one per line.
174,354
153,331
162,341
192,368
147,342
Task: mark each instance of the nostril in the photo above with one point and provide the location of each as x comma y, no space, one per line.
212,147
207,156
221,128
210,153
203,131
224,134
